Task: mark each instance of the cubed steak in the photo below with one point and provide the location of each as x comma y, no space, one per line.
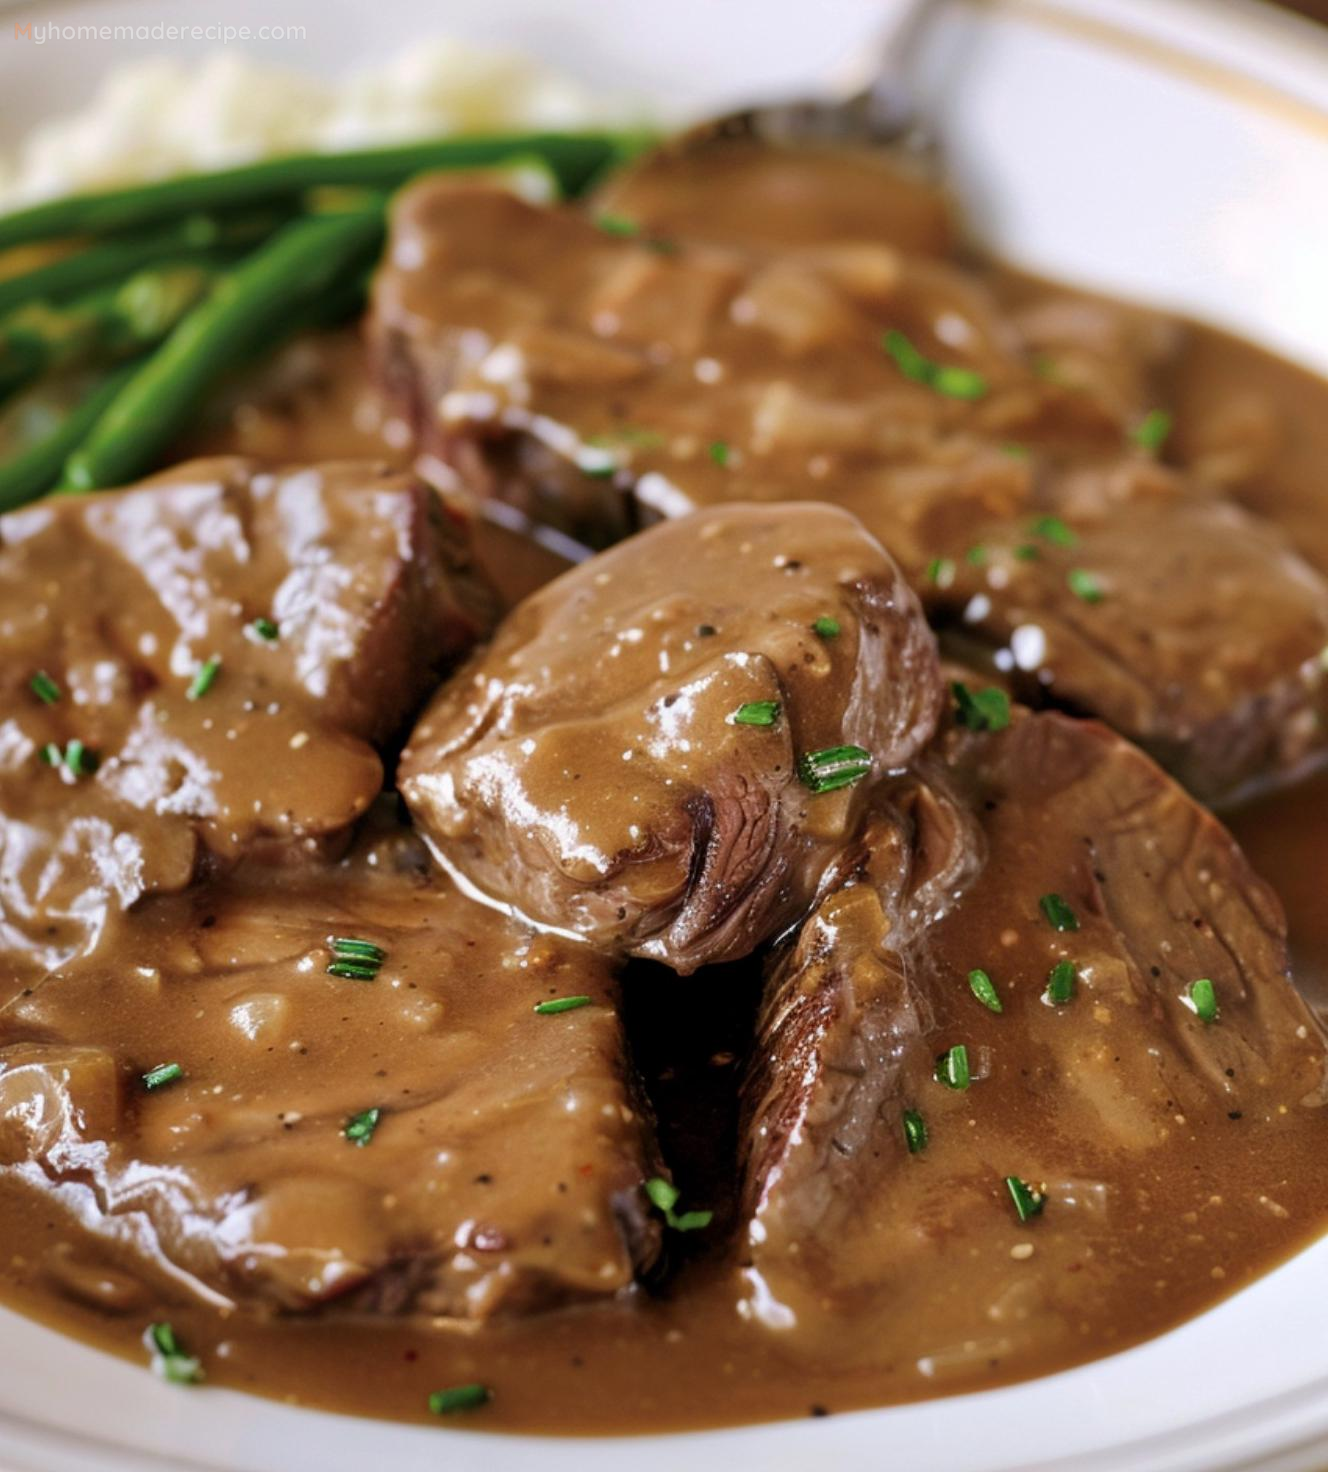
1049,988
202,667
599,375
664,749
330,1085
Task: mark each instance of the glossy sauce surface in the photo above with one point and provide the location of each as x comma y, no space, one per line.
1137,1254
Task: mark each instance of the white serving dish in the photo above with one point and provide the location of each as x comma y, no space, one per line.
1173,150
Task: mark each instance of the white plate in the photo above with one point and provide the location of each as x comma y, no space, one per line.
1173,150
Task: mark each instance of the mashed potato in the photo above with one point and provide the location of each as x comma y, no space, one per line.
159,118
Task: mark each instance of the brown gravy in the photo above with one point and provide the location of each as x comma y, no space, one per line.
685,1358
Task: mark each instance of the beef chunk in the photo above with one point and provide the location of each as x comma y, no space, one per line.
741,190
1089,1100
503,1172
623,760
597,381
323,603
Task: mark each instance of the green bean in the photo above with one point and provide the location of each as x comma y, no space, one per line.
261,301
113,260
576,159
33,471
104,326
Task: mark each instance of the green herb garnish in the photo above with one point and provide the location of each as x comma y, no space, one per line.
1053,529
1028,1201
77,759
834,767
617,225
719,452
161,1075
1203,998
915,1132
1060,983
1027,552
826,627
976,555
941,571
981,710
561,1004
44,688
1058,914
168,1359
459,1398
756,713
1084,584
944,378
663,1197
1152,430
952,1068
355,960
266,630
359,1128
984,989
204,678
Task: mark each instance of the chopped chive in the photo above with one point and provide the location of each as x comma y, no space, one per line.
266,630
347,946
1016,452
1203,999
359,1128
976,555
941,571
459,1398
958,383
44,688
354,970
663,1196
52,755
1152,430
168,1359
826,627
1027,552
915,1132
79,759
952,1068
1028,1201
719,452
161,1075
204,678
353,959
617,224
561,1004
756,713
945,378
981,710
1084,584
600,469
1058,914
1053,529
984,989
833,767
1060,983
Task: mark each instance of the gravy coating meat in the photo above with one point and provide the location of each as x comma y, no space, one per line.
359,1106
1005,452
1045,900
741,1013
664,749
201,667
